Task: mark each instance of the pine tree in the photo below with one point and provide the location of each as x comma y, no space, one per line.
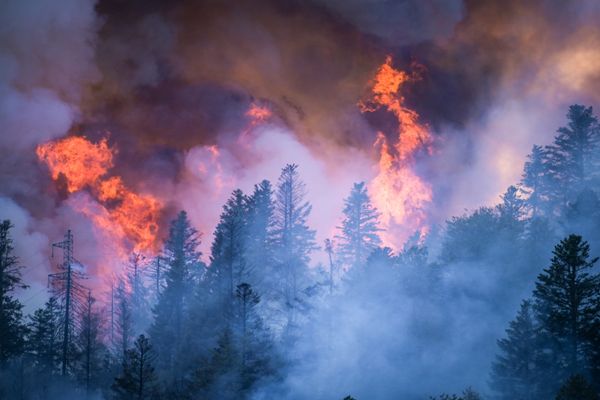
511,221
173,307
467,394
328,246
12,328
244,353
415,274
513,371
359,230
573,159
512,207
294,240
247,300
228,261
259,242
535,181
137,379
539,237
43,337
90,345
470,237
156,273
577,388
221,378
256,348
582,215
138,293
567,297
123,319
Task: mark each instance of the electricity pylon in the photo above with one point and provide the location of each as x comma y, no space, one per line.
66,286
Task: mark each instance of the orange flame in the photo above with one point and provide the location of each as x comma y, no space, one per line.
397,191
128,218
136,214
258,114
77,159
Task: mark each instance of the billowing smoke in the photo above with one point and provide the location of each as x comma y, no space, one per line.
46,63
169,85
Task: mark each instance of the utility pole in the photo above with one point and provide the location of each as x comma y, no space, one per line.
65,285
112,312
329,250
155,275
135,279
158,276
88,337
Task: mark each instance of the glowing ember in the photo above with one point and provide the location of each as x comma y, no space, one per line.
129,219
258,114
397,191
81,162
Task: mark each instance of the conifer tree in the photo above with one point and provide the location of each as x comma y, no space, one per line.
43,336
294,240
467,394
138,293
228,261
573,157
513,371
512,207
12,328
244,352
156,275
469,237
539,237
247,300
123,319
173,307
567,298
221,377
256,350
137,379
260,240
90,345
577,388
359,230
510,221
535,181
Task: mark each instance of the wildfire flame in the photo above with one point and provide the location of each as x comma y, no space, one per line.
258,114
129,218
397,191
81,162
137,214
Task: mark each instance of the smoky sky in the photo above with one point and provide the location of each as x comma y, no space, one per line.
161,78
179,74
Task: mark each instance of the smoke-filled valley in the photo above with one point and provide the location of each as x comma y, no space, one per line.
299,199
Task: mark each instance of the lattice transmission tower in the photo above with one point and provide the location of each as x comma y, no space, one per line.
66,286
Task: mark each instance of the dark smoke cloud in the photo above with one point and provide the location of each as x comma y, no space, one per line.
45,60
181,74
504,43
400,22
